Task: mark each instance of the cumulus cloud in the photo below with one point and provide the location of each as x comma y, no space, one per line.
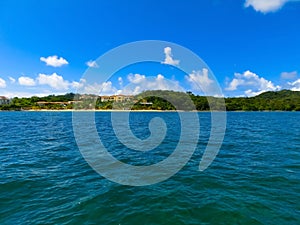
55,81
136,78
139,83
54,61
294,86
29,93
253,84
200,81
92,64
169,57
107,87
104,88
250,92
266,6
12,80
289,75
58,85
2,83
79,84
26,81
161,83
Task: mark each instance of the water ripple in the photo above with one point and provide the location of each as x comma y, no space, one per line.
255,179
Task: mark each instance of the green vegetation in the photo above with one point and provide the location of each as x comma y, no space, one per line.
163,100
284,100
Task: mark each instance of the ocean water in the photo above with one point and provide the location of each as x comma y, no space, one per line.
255,178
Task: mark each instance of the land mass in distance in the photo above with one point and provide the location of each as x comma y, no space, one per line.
285,100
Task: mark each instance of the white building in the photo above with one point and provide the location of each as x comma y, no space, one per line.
4,100
117,98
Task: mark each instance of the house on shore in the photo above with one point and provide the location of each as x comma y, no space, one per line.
44,103
4,100
117,98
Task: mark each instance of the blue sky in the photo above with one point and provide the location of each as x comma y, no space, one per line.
250,45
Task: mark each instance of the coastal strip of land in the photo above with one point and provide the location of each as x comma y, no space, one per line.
156,100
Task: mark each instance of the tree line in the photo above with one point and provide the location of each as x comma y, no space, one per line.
284,100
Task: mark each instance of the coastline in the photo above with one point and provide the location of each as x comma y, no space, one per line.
90,110
138,110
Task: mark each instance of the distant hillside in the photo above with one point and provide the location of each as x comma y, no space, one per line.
284,100
284,94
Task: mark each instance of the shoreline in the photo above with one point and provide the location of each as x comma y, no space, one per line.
97,110
128,110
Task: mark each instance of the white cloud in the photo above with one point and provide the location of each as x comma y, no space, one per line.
79,84
200,81
234,84
252,82
92,64
55,81
161,83
250,92
294,86
136,78
54,61
266,6
105,88
58,86
288,75
139,83
30,93
2,83
169,57
26,81
120,80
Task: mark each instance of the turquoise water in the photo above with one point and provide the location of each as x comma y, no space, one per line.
255,178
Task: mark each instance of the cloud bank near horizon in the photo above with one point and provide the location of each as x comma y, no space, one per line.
251,84
246,83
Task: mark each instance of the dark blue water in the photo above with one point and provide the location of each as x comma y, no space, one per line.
255,178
